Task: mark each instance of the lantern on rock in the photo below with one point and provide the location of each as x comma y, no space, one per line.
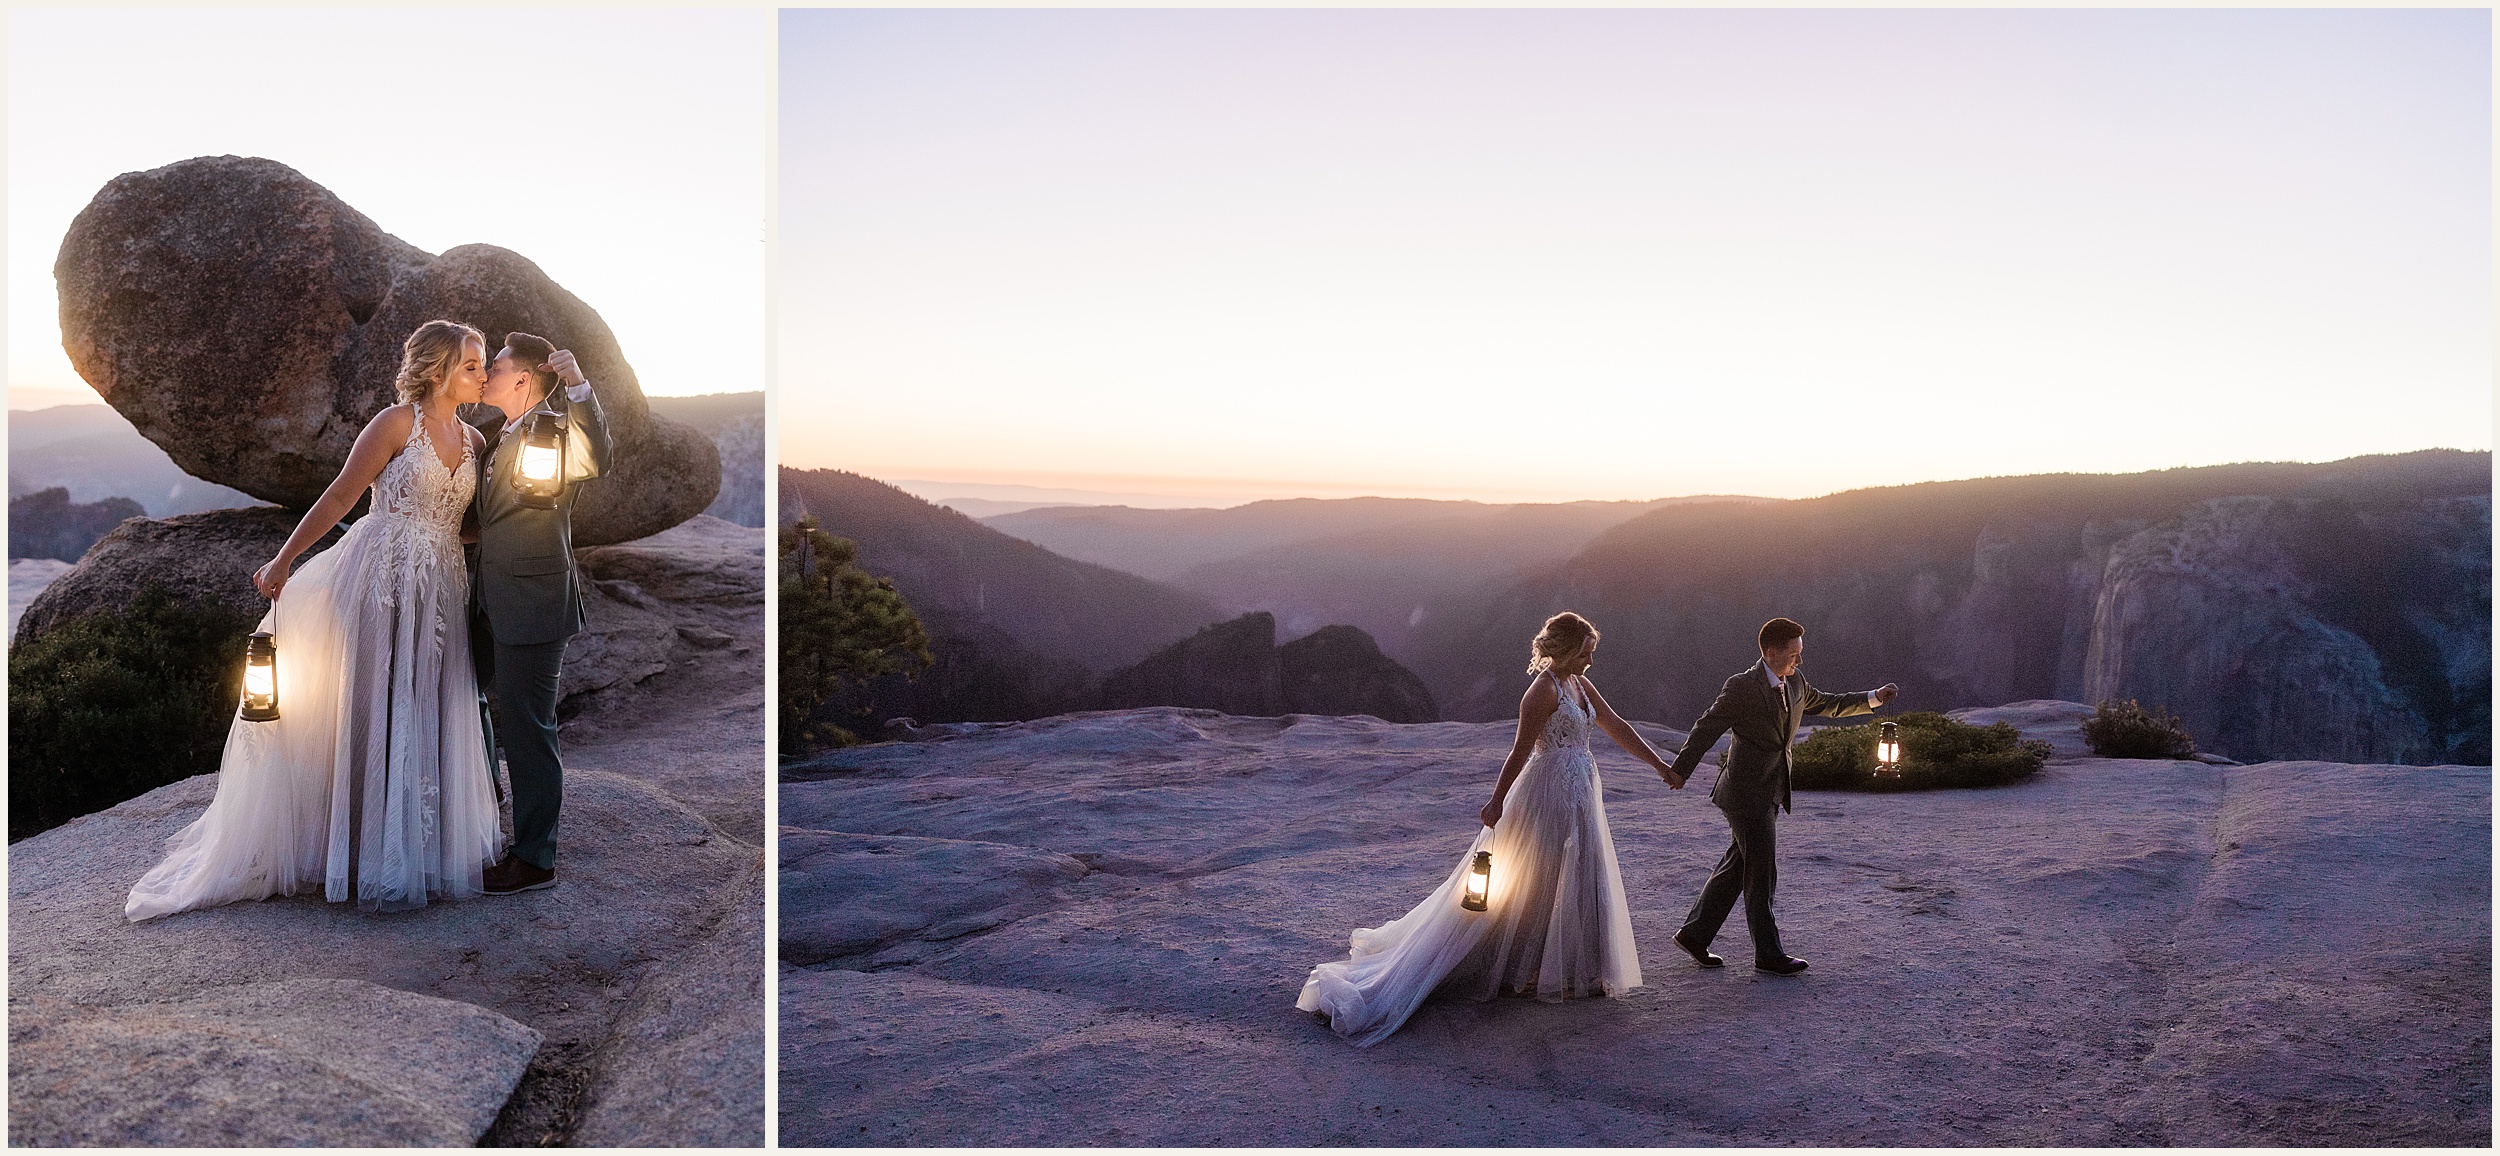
260,678
1479,881
1888,751
540,480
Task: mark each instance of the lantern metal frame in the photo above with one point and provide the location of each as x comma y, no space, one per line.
260,651
1479,868
542,432
1888,751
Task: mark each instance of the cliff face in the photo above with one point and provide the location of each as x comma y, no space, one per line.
1340,670
2339,611
1230,666
2305,629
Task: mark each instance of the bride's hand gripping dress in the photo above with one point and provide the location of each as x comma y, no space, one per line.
1555,923
373,782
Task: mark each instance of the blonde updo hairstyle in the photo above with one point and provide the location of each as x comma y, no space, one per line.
1562,636
429,354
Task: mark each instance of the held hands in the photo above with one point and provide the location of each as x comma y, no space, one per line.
566,370
271,578
1675,782
1883,694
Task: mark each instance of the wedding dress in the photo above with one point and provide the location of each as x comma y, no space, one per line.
373,782
1556,923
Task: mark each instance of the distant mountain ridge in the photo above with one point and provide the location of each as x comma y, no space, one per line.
1388,566
1019,632
1168,544
95,453
2334,611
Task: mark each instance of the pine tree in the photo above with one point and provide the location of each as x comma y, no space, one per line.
838,623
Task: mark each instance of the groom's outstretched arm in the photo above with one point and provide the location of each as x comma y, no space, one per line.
1838,705
1718,720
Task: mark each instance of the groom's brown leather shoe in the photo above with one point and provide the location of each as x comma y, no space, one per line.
1700,955
514,875
1784,965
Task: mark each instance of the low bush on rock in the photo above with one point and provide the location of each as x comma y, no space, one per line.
110,706
2125,730
1936,752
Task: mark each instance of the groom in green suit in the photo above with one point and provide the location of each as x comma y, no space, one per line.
527,594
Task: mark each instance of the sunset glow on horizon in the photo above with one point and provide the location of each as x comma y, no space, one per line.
1559,255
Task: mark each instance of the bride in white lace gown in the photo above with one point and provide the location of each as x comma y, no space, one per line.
373,782
1555,923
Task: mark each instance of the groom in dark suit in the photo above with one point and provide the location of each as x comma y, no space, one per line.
1761,707
527,597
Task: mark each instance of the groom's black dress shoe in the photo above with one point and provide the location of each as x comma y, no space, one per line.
514,875
1784,965
1701,956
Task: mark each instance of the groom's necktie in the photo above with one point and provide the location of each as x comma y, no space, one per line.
1782,690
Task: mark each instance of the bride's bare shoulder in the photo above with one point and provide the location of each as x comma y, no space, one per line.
1541,694
399,419
389,428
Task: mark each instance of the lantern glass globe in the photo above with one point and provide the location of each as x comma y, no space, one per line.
1479,881
538,463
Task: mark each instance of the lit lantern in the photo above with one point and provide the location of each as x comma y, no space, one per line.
1479,881
260,678
1888,750
541,477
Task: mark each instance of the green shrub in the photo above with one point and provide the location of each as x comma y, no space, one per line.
2125,730
1936,752
110,706
840,626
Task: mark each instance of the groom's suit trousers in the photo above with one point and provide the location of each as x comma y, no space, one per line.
1750,868
525,709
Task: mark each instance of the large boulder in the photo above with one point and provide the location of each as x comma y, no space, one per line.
249,322
192,556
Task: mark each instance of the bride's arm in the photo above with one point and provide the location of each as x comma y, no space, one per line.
383,437
1623,734
1535,707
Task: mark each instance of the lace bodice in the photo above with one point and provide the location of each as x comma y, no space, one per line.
1569,727
416,485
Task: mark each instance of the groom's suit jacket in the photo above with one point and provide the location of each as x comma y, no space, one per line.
1757,762
526,590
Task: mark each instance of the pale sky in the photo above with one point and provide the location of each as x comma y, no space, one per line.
1626,254
655,125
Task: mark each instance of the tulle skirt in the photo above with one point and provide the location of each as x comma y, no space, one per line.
373,783
1555,925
